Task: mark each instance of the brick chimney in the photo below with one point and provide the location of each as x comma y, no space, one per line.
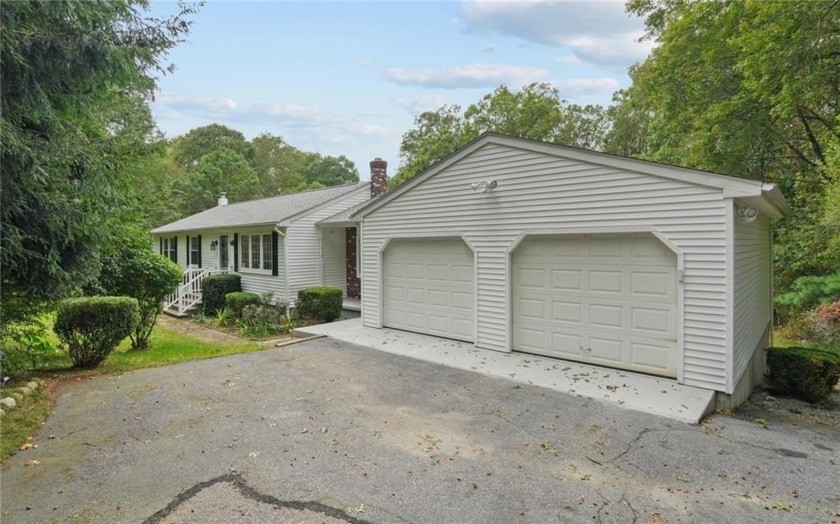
378,177
223,200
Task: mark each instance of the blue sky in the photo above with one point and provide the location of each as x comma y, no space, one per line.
349,77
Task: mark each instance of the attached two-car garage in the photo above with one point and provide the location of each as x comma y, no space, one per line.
517,245
603,299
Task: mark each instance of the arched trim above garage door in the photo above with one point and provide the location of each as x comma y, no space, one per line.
428,286
622,305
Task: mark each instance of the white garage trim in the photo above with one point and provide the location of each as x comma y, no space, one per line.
428,237
559,232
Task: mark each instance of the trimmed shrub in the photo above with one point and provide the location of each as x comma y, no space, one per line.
805,373
146,276
237,301
320,303
93,326
214,289
260,320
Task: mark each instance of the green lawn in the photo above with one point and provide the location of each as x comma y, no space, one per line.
167,347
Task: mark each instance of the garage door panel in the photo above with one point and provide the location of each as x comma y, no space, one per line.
607,350
606,316
606,281
430,287
567,312
567,279
652,284
611,301
566,344
652,356
652,320
605,248
462,274
462,301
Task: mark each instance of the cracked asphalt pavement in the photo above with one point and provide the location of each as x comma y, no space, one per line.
324,431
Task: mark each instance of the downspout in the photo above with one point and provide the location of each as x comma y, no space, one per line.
282,233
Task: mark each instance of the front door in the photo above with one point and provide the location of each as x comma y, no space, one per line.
224,259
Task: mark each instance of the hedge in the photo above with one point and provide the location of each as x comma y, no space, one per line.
214,289
237,301
320,303
805,373
93,326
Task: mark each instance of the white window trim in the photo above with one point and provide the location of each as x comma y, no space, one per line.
261,235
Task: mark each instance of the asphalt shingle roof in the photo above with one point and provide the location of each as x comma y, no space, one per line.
258,212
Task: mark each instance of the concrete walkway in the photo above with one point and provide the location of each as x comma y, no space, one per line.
630,390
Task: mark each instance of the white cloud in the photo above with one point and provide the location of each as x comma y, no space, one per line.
573,87
597,32
568,60
475,75
303,120
420,104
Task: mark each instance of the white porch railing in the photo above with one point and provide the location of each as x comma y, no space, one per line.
188,294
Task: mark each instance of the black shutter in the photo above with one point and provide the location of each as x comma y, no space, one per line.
199,250
161,246
174,248
274,242
189,251
236,252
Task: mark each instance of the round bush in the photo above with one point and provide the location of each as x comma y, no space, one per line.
320,303
239,300
215,287
805,373
93,326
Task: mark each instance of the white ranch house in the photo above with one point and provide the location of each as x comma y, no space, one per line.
279,244
517,245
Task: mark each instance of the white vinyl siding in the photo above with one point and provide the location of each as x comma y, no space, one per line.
752,290
540,193
304,241
334,257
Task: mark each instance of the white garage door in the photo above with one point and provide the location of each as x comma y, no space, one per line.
429,287
605,300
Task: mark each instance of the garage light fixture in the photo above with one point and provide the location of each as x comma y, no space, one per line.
484,186
746,214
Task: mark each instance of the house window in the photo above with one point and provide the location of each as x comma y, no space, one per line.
255,252
266,249
195,250
245,251
169,248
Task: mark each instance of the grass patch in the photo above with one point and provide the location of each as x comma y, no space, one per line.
166,347
20,423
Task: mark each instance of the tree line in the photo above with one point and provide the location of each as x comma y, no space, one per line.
746,88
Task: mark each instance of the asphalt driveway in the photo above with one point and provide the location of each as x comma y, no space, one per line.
324,431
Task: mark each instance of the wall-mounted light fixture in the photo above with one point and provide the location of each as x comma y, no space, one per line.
746,214
213,245
484,186
233,242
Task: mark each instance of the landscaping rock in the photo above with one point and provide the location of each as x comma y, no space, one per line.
32,385
17,396
8,402
2,413
25,390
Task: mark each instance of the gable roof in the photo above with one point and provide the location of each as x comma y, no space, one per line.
763,195
264,211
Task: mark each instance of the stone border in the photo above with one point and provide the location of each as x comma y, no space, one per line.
10,401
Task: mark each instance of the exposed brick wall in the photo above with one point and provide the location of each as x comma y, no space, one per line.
378,177
354,283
